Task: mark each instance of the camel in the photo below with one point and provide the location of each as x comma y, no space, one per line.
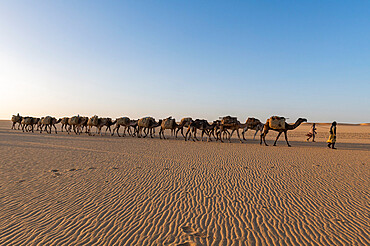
202,125
147,123
64,122
76,123
99,123
167,123
28,123
232,124
123,121
39,124
93,121
185,122
105,122
108,124
16,119
253,124
49,121
286,128
151,129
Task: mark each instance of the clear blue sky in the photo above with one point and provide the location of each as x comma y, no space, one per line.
186,58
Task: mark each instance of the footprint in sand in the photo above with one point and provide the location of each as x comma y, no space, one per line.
54,170
72,169
92,168
188,229
115,168
187,244
167,168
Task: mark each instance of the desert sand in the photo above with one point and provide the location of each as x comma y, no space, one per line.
92,190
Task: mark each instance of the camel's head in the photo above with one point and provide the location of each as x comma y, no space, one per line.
302,120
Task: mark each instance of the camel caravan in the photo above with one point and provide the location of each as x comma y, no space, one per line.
219,130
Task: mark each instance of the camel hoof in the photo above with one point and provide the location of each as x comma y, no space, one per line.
289,145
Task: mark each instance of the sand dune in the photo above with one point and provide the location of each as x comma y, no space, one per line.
80,190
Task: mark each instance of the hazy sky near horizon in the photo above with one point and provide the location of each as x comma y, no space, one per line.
203,59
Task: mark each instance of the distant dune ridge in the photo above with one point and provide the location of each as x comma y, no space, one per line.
60,189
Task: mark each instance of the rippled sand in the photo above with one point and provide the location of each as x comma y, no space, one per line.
80,190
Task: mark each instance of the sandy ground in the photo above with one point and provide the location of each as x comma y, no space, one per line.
80,190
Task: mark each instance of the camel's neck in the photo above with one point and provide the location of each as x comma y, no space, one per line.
294,126
243,125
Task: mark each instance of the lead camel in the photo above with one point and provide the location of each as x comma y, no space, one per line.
288,127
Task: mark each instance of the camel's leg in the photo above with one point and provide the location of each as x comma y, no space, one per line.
254,137
195,133
160,133
135,132
286,139
191,133
244,131
237,131
263,137
277,138
146,132
220,133
114,129
232,132
124,131
55,128
108,128
186,134
13,126
118,127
